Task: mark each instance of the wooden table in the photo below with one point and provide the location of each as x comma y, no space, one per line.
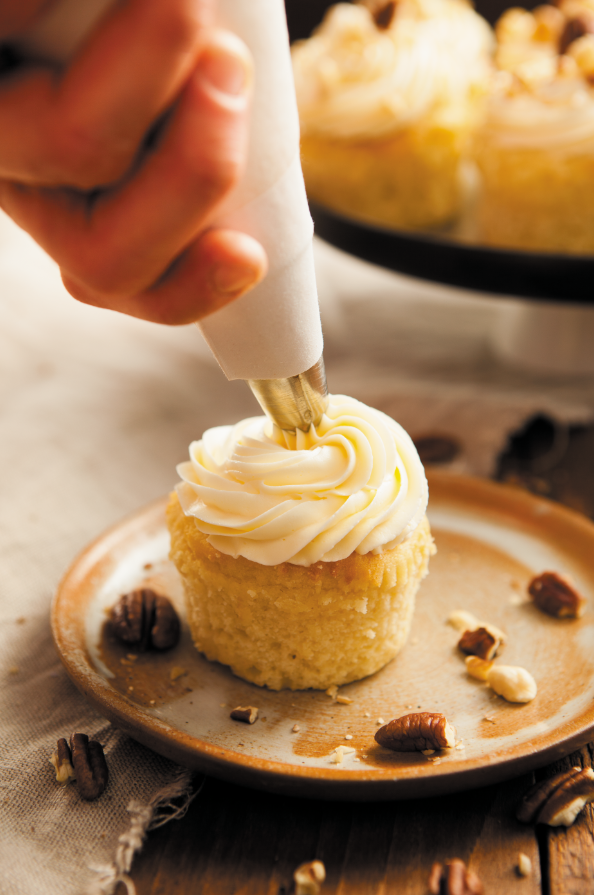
235,840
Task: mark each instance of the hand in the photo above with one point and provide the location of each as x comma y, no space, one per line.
127,218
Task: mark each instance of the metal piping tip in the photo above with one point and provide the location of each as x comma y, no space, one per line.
294,403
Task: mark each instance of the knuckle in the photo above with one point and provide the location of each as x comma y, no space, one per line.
217,177
177,26
87,161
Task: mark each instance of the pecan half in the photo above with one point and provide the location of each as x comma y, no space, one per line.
89,765
554,594
558,800
62,761
145,619
454,878
574,28
480,642
247,714
417,732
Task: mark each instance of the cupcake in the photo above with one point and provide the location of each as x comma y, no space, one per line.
387,97
535,150
301,554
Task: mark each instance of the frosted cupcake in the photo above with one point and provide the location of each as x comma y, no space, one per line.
387,99
301,555
536,149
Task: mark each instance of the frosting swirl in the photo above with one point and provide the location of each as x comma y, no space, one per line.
353,483
356,80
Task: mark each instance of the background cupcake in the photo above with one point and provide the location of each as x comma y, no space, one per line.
387,96
535,150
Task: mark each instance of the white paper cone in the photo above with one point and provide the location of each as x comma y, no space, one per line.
274,331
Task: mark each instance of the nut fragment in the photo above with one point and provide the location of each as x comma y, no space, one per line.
382,12
477,668
524,865
576,27
479,642
463,621
62,761
145,619
417,732
90,766
309,877
512,682
247,714
558,800
454,878
554,594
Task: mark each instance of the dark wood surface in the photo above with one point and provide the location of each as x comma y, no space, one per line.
235,840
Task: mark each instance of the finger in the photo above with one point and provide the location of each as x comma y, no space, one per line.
84,128
219,267
130,236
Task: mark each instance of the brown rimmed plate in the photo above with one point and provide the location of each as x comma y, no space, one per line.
490,539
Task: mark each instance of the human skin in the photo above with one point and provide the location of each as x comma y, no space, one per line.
116,165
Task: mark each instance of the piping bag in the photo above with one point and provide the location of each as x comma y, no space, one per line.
272,336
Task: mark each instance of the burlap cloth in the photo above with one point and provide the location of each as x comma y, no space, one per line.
96,409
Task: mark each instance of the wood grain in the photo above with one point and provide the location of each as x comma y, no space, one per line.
237,840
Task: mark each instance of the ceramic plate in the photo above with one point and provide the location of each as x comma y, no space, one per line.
490,540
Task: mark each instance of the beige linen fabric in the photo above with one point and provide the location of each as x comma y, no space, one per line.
95,411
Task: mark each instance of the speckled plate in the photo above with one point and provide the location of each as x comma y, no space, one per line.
490,540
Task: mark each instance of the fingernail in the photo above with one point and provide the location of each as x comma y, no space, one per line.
225,64
232,280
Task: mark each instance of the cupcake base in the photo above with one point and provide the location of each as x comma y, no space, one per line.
535,200
298,627
408,180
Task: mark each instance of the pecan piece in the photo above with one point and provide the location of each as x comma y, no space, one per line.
309,878
480,642
478,668
558,800
384,14
417,732
90,766
576,27
512,682
62,761
247,714
145,619
554,594
454,878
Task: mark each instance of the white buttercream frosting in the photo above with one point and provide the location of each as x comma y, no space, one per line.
354,483
354,79
557,116
541,100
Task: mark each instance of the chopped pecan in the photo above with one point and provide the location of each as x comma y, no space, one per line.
384,14
512,682
247,714
145,619
62,761
554,594
480,642
558,800
89,765
309,878
574,28
417,732
454,878
478,668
